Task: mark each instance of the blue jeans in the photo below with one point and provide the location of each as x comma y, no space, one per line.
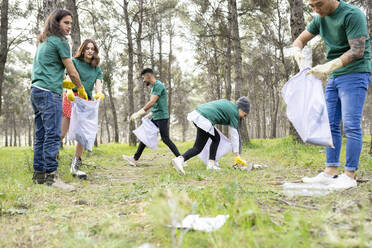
345,97
47,108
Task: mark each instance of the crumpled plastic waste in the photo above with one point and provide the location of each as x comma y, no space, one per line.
146,245
208,224
305,189
250,166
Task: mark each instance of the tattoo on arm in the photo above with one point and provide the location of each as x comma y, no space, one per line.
356,50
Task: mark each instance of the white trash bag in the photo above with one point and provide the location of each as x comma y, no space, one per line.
84,122
147,133
307,110
223,147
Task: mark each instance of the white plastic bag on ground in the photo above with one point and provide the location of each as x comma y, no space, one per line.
223,147
84,122
208,224
147,133
306,108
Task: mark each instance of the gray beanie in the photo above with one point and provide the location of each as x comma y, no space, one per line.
244,104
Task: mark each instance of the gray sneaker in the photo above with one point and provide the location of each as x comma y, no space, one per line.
74,171
53,180
38,177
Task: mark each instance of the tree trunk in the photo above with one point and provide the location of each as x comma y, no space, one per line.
49,6
160,43
75,30
152,42
132,137
3,45
170,60
107,123
6,133
237,61
275,116
139,53
228,67
297,18
297,26
113,109
14,130
264,117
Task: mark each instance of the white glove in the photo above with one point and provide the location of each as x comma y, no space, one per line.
148,116
138,114
320,71
297,54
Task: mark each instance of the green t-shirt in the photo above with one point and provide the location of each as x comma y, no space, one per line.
221,112
347,22
48,69
88,75
160,108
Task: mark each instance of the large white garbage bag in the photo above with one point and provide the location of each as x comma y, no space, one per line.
84,122
147,133
306,108
223,147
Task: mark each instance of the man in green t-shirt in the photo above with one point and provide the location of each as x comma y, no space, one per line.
159,112
343,28
205,117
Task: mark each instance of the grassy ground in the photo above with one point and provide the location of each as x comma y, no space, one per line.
123,206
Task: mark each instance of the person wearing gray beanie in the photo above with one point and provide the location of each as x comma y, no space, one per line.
244,104
205,117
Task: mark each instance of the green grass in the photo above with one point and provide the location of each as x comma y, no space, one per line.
123,206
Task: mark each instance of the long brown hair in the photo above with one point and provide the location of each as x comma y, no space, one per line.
51,25
80,52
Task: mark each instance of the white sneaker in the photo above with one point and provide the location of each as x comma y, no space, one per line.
178,164
74,171
130,160
322,178
212,166
343,182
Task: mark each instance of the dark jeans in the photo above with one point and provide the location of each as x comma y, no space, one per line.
163,126
201,139
47,108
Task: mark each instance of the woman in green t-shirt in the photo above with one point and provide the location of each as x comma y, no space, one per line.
86,62
51,59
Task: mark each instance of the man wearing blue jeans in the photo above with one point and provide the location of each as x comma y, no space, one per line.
51,58
343,27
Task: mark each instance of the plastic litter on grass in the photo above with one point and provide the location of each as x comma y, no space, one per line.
207,224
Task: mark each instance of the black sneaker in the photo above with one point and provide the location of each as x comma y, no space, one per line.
39,177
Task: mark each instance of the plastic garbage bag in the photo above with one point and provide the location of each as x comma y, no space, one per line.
84,122
147,133
208,224
223,147
306,108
